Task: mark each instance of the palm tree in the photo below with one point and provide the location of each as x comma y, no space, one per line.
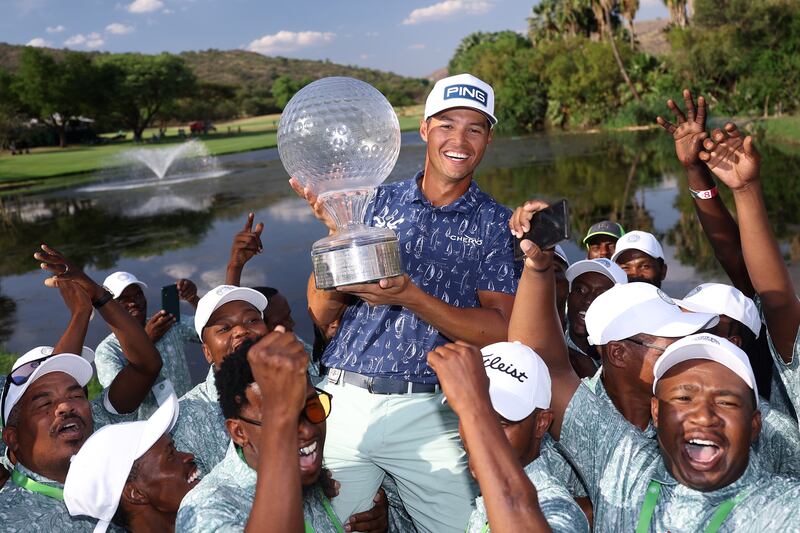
603,9
629,9
677,12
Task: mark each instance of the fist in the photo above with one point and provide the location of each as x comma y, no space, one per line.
462,376
279,363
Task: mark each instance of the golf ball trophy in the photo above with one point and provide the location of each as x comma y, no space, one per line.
340,137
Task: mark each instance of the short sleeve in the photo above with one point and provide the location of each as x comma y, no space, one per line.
497,271
109,360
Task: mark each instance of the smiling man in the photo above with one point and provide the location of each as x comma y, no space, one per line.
459,283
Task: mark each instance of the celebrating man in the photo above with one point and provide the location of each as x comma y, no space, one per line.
459,284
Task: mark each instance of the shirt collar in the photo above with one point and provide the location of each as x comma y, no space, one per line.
466,203
37,477
750,475
595,384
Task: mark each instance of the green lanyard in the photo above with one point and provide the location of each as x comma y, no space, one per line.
649,507
21,480
325,503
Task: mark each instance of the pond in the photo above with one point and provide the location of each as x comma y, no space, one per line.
184,230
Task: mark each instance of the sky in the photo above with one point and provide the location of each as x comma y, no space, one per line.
413,37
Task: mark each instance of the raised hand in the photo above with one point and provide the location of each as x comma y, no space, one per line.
731,157
247,243
316,206
187,291
459,367
520,221
279,363
158,325
64,270
75,297
689,131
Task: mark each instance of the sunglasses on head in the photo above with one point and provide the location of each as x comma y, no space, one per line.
316,410
19,376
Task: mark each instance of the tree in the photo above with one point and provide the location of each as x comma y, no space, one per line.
677,12
628,8
57,91
603,9
10,108
144,85
285,87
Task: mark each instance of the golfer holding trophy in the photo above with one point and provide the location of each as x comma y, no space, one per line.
407,267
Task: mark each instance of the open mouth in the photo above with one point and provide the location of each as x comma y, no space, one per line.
194,476
456,157
70,430
702,453
308,456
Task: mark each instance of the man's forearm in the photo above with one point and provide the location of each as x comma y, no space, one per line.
479,326
233,274
720,228
512,503
325,306
278,502
767,269
74,336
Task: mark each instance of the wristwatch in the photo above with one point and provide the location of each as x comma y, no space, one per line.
103,300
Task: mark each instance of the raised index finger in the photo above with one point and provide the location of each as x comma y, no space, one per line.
248,226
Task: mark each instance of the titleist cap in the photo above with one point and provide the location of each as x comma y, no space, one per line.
519,381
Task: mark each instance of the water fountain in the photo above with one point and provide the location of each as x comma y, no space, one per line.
157,167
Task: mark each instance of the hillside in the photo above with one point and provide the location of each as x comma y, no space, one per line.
239,68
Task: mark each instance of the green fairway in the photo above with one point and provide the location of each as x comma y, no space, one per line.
247,134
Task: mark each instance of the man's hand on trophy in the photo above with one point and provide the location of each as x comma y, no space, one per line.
316,206
388,291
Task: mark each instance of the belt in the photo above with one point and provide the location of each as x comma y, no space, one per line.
378,385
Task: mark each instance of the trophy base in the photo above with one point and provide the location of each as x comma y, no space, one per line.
356,255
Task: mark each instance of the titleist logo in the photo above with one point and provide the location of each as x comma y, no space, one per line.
496,363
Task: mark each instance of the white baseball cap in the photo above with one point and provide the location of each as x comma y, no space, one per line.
36,363
712,348
629,309
219,296
638,240
462,90
722,299
519,381
561,254
98,472
600,265
119,281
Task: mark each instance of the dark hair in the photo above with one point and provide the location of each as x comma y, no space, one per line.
268,292
232,379
120,518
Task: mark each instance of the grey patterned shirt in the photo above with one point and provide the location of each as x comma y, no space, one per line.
223,499
23,510
619,462
778,444
786,381
110,360
559,509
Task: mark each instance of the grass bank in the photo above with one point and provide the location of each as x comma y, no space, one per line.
45,167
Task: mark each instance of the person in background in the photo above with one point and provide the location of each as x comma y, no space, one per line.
168,335
130,474
601,239
587,279
45,410
641,257
519,389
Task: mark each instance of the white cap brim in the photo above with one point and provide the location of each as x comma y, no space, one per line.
589,265
251,296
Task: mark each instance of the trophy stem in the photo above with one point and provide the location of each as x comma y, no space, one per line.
347,208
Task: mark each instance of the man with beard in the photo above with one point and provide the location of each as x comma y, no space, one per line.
641,257
588,279
270,477
45,412
699,471
168,336
131,475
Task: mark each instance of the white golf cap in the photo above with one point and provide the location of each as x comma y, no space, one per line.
600,265
219,296
39,361
119,281
722,299
561,254
629,309
462,90
98,472
519,381
712,348
639,240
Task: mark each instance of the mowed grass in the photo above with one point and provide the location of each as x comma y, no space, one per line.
253,133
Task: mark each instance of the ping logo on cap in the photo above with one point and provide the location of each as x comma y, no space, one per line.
470,92
496,363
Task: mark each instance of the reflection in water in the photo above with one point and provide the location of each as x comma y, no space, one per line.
165,233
